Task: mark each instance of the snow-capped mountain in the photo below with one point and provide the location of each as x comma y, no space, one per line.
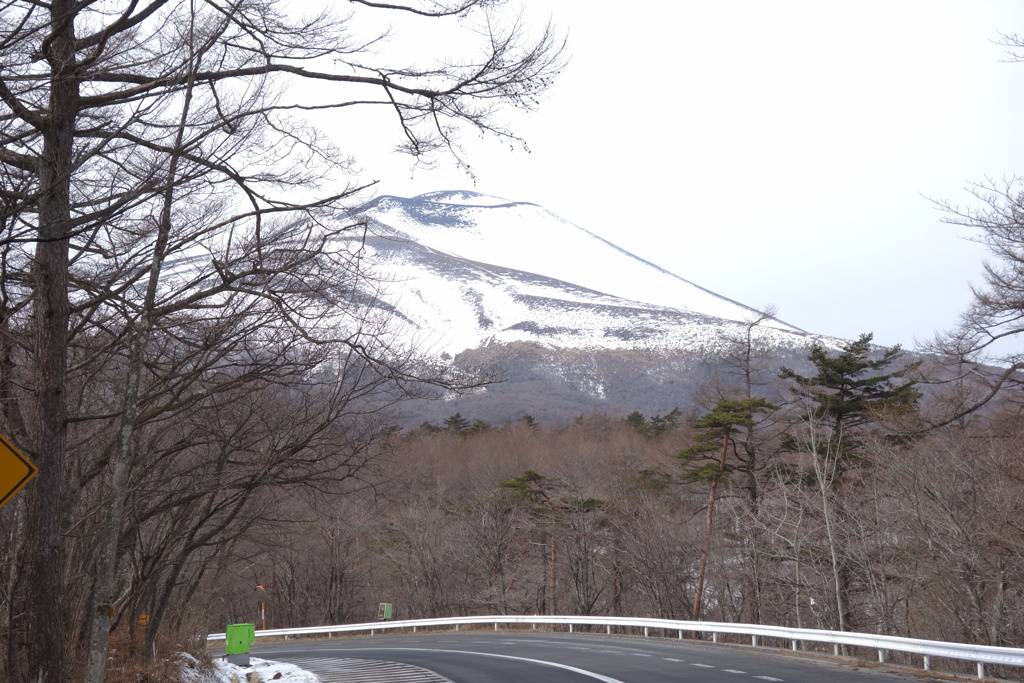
575,323
466,270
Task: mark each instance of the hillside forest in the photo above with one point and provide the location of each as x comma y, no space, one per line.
821,496
817,500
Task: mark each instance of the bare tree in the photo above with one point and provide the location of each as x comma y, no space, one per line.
131,135
980,351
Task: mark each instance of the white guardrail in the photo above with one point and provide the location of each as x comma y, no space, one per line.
980,654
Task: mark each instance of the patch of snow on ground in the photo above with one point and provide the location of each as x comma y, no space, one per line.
231,673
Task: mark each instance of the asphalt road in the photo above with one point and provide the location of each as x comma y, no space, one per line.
484,657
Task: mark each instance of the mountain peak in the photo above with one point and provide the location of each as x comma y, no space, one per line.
463,198
492,232
482,281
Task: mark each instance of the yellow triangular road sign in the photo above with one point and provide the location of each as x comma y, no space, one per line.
15,470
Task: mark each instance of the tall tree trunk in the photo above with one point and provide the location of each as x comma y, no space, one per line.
553,572
698,595
45,655
106,564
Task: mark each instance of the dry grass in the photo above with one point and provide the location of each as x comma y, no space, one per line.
126,664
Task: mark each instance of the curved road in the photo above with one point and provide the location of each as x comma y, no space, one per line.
535,657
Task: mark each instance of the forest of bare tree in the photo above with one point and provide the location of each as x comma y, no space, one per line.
184,336
850,514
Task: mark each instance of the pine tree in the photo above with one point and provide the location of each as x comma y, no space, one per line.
533,487
637,421
715,433
850,391
657,426
457,423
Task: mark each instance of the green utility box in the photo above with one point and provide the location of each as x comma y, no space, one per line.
384,612
239,638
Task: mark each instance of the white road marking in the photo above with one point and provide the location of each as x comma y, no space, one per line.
583,672
733,671
704,666
346,670
768,678
669,659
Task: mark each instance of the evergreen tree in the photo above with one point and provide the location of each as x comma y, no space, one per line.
662,424
534,488
477,426
851,390
657,426
457,423
637,421
715,432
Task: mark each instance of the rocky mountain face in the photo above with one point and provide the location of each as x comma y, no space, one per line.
574,323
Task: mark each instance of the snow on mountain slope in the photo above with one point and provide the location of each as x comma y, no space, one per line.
464,270
529,238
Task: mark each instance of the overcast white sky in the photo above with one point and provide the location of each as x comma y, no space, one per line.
773,152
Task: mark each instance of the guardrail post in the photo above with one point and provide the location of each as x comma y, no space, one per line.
570,628
753,640
680,634
981,670
927,663
495,626
414,629
646,631
794,645
608,629
714,637
835,649
881,656
456,627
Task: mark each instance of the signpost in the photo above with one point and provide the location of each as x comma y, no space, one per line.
15,470
261,595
